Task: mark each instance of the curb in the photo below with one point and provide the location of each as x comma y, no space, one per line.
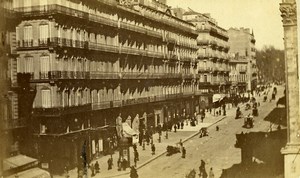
164,152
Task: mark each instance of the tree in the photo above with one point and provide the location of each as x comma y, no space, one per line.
270,62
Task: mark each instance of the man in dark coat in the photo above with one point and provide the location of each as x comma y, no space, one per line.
133,172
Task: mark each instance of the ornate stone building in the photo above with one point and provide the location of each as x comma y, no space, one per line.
291,151
89,60
213,58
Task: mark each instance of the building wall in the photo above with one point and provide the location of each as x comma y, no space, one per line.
83,76
212,63
242,44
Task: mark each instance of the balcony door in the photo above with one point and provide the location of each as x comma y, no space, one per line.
44,66
46,98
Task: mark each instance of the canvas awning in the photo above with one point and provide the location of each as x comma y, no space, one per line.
218,97
32,173
128,131
18,161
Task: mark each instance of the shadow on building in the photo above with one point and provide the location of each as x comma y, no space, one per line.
260,154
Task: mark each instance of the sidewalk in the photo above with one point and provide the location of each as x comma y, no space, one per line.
145,156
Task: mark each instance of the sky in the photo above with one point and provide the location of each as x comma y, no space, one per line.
263,16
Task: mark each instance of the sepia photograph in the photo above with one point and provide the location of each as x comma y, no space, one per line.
149,89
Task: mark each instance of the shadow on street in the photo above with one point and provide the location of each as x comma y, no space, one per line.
260,152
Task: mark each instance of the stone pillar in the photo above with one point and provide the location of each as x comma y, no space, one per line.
292,150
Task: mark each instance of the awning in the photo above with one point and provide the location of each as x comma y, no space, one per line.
32,173
218,97
128,131
18,161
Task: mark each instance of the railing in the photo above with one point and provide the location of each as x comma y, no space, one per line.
58,9
102,105
14,123
202,42
187,75
104,75
57,111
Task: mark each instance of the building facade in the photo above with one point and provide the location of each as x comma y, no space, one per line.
13,130
84,62
213,58
242,44
238,75
291,151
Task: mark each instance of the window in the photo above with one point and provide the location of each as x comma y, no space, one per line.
44,34
28,40
28,64
46,98
45,66
205,78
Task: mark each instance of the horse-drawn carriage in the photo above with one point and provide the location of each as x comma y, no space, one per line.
248,122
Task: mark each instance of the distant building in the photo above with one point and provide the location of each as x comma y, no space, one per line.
213,59
238,75
242,43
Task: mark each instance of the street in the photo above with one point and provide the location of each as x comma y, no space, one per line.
217,150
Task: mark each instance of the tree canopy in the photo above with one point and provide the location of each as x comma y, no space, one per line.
271,64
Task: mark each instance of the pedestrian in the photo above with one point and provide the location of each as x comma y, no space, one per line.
211,173
175,127
97,167
119,164
202,167
180,144
124,164
109,163
153,149
133,172
183,152
182,124
134,147
135,161
92,167
136,155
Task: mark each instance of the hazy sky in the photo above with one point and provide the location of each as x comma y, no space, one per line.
263,16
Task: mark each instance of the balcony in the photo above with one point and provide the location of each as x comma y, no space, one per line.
58,9
103,47
58,75
202,42
14,123
213,43
205,69
132,51
155,54
131,27
153,33
104,75
188,93
102,105
172,96
215,82
59,111
187,76
204,56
